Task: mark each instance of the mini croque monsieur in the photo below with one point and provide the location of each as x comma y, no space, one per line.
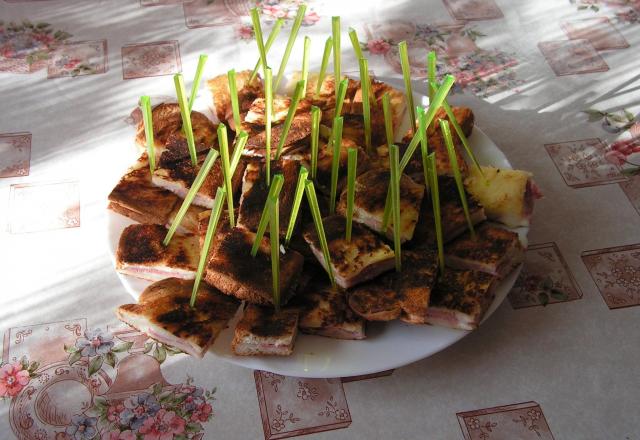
264,331
324,312
363,258
255,191
403,295
248,91
325,164
370,199
141,253
494,250
460,299
163,312
177,177
235,272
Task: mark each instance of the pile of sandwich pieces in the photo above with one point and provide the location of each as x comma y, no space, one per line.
368,287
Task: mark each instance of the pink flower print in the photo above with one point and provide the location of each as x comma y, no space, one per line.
163,426
202,413
245,32
274,11
474,423
311,18
12,379
534,414
117,435
378,47
113,412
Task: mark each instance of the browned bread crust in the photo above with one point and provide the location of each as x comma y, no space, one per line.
263,331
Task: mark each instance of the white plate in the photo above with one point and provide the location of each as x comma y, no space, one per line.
388,345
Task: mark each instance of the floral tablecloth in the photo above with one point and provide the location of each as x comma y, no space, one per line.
555,84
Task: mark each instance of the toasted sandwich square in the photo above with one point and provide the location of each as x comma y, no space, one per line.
325,163
235,272
370,199
263,331
247,93
299,130
163,312
460,299
363,258
141,253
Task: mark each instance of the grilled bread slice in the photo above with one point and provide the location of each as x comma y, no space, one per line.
141,253
494,250
324,312
508,196
325,162
167,121
370,199
163,312
403,295
137,198
281,104
247,93
454,222
363,258
263,331
255,191
460,299
300,129
232,270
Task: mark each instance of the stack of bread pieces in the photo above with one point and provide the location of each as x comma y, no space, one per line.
368,287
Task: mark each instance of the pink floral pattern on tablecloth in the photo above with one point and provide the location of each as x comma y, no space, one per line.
202,13
572,57
545,279
598,30
141,60
15,154
626,11
78,58
520,421
40,207
482,71
582,163
616,272
26,46
631,188
95,383
292,406
473,9
367,376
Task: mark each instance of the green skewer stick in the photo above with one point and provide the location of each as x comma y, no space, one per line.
178,80
435,200
353,36
394,159
323,66
366,105
431,74
233,92
147,118
446,133
195,187
406,75
465,142
302,9
305,62
257,29
196,80
317,220
240,142
270,39
274,240
388,120
297,95
335,161
274,190
316,115
226,171
211,230
352,166
268,113
297,199
337,48
342,92
422,129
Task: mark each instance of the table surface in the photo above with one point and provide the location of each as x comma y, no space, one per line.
554,84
